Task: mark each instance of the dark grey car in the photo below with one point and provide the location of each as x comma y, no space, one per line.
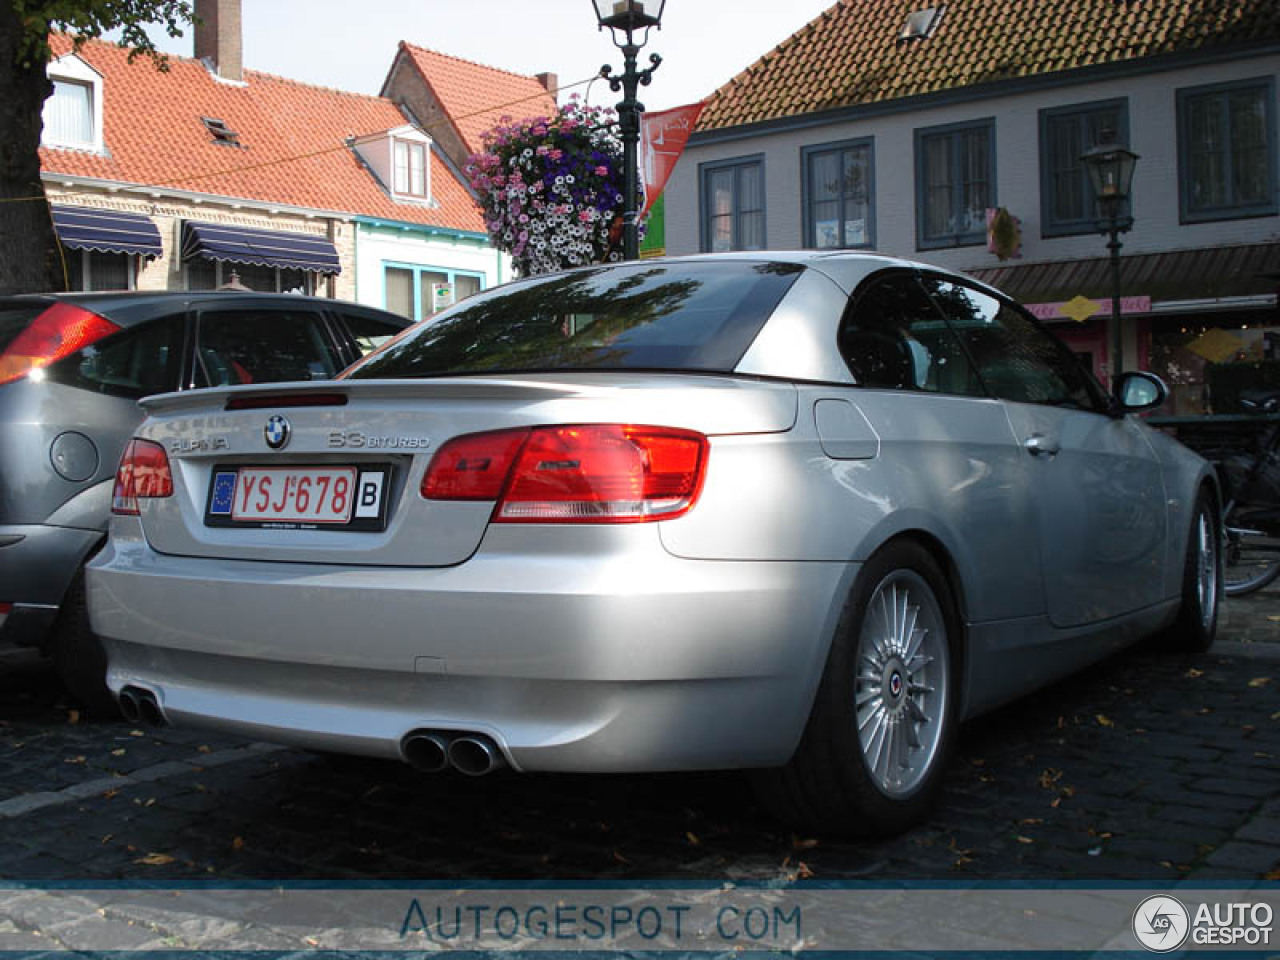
72,368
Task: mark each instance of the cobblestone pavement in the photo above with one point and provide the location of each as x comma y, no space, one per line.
1149,766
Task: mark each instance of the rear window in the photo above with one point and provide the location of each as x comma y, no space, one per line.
673,316
13,320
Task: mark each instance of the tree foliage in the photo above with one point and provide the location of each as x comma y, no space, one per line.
88,19
29,260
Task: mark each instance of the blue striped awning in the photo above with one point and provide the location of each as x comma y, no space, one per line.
263,248
106,231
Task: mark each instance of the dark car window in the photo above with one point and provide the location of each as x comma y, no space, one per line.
1016,359
135,362
369,333
672,316
262,346
893,336
15,319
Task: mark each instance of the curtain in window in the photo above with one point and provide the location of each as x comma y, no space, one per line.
720,207
939,219
1065,171
1206,119
825,186
417,170
464,286
856,178
68,114
1249,147
108,271
400,292
401,173
751,207
975,192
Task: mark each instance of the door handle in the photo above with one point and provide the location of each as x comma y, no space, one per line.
1039,445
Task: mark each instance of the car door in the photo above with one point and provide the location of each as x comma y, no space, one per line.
1099,493
945,445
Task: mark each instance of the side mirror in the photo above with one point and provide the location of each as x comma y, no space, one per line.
1136,391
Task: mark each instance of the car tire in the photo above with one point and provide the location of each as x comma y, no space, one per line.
78,655
1202,578
874,752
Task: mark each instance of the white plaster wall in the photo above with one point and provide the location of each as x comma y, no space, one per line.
1153,136
375,247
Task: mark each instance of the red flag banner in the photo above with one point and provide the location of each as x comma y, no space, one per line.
662,139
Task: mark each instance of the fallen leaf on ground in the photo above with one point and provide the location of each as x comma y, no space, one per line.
1194,673
1021,839
692,838
74,760
1104,720
1259,682
155,860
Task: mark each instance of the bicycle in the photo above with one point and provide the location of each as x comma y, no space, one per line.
1251,516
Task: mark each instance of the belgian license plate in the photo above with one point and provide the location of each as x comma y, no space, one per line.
299,498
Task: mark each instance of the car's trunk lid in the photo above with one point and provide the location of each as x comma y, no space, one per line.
396,426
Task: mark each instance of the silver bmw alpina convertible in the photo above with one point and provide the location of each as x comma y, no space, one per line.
798,513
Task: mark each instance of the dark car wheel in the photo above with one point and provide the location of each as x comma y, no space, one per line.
1197,623
78,656
874,752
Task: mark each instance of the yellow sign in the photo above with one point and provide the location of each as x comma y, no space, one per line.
1079,308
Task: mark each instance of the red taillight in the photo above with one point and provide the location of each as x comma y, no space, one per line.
143,474
58,332
592,473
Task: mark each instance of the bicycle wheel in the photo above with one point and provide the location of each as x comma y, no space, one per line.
1252,559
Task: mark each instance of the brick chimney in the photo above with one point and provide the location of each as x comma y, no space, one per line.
552,84
218,37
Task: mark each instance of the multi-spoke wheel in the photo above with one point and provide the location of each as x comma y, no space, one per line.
901,689
874,751
1202,579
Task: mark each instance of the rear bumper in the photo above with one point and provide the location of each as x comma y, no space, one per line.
614,656
37,564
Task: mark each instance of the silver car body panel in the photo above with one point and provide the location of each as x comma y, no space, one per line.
695,642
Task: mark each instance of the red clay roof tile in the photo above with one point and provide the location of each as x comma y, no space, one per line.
292,136
477,97
851,54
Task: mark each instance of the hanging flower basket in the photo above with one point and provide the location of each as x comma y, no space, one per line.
551,188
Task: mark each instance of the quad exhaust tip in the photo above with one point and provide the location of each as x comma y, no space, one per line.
432,751
141,706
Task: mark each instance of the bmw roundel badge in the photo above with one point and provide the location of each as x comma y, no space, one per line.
277,432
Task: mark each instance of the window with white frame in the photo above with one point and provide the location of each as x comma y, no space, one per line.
410,168
416,292
73,112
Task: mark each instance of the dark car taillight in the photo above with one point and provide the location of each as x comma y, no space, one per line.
590,473
56,333
143,474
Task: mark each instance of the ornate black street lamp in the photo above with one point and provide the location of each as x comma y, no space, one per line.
1110,167
626,18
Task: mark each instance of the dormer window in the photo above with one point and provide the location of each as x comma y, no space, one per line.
400,160
221,133
411,168
73,113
